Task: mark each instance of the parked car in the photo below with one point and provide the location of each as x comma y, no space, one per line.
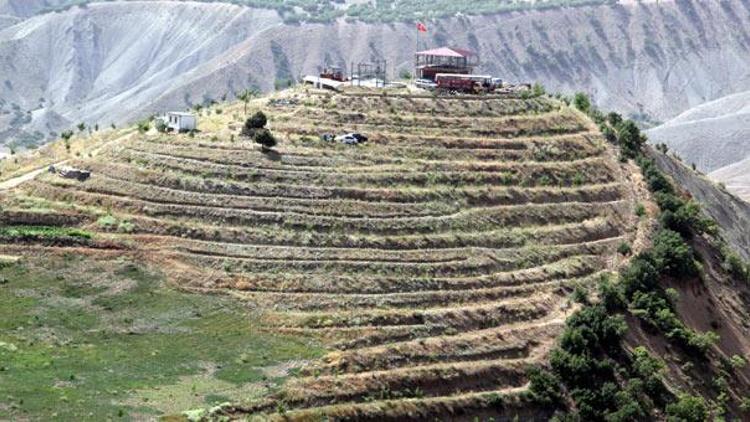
352,139
425,84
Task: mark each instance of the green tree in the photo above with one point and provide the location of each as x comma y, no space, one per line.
672,254
687,409
614,119
254,123
630,137
538,90
245,96
81,127
582,102
544,386
160,126
66,135
144,126
265,139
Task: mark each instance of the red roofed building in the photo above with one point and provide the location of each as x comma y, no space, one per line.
428,63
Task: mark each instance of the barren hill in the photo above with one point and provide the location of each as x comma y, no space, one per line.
736,177
712,135
102,64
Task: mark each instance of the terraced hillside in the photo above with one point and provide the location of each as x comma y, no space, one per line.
434,261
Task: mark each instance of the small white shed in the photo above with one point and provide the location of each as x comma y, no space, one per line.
181,122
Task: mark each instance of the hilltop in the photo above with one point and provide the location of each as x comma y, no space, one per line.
433,263
420,274
101,64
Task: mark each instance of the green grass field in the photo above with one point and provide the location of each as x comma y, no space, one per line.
97,340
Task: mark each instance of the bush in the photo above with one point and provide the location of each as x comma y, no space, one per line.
144,126
624,249
672,255
614,119
160,126
544,386
582,102
66,135
648,369
701,342
257,121
641,275
538,90
687,409
264,138
254,123
630,137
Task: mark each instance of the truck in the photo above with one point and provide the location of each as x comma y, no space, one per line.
467,84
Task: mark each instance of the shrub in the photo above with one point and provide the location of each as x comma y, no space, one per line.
264,138
737,362
66,135
160,126
614,119
687,409
538,90
405,74
624,249
701,342
641,275
544,386
144,126
648,369
630,137
734,265
254,123
640,210
582,102
672,255
257,120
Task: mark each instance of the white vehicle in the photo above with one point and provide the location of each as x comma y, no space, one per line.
425,84
351,139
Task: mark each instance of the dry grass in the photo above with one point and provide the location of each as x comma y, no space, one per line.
435,260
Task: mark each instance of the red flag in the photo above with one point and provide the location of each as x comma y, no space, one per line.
421,27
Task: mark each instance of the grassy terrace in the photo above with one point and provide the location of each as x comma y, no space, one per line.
433,263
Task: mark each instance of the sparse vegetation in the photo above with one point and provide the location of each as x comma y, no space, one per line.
440,257
86,339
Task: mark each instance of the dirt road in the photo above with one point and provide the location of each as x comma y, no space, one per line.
12,183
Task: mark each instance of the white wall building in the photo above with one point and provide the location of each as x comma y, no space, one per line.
181,122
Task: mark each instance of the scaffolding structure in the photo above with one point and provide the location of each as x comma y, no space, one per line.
370,71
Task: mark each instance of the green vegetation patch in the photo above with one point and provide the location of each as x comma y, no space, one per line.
42,233
97,340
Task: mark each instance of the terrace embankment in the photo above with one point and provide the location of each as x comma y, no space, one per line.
435,261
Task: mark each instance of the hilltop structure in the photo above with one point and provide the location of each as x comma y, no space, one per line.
429,63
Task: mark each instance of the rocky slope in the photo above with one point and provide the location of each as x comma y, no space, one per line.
736,177
731,213
102,64
715,137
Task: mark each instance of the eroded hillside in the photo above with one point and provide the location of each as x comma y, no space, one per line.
434,262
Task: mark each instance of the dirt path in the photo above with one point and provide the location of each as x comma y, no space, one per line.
12,183
16,181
